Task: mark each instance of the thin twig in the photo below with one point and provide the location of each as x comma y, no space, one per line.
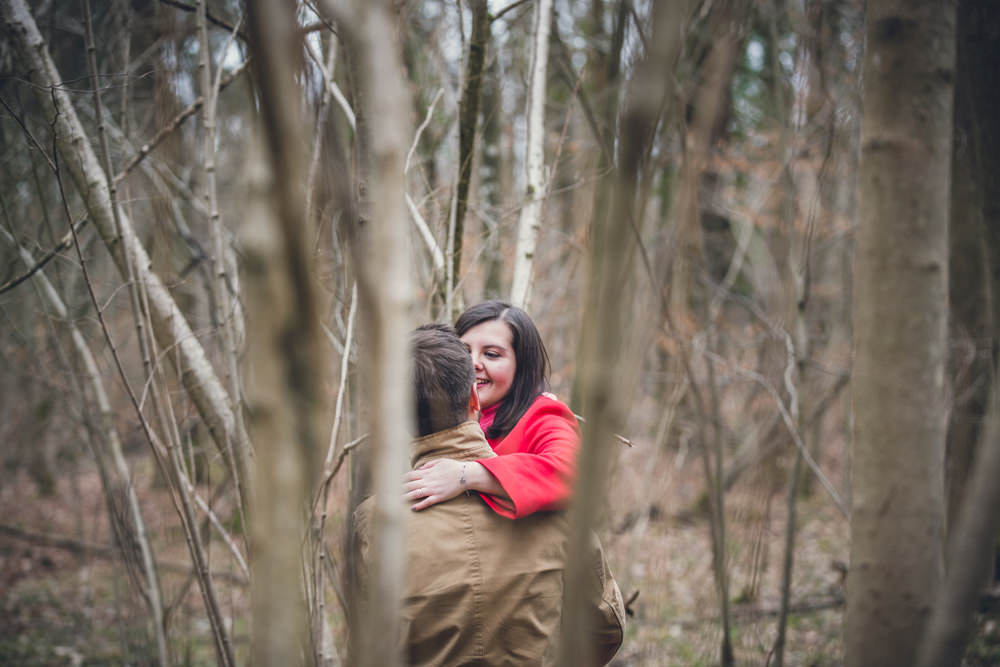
319,136
638,26
178,120
345,359
330,85
621,438
211,18
510,7
420,130
790,424
64,244
215,522
24,128
437,256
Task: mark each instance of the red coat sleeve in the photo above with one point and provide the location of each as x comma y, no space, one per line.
536,462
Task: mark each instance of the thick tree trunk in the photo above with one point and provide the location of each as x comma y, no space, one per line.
528,225
897,521
171,328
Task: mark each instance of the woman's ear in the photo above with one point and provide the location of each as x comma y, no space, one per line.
474,407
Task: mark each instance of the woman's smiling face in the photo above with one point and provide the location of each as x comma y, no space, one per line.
491,346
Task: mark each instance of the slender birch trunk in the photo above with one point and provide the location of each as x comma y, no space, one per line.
170,326
286,351
901,297
530,221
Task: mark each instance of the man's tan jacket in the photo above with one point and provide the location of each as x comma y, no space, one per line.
481,588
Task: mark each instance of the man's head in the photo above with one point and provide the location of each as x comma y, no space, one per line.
443,379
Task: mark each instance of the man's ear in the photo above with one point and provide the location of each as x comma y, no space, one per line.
474,407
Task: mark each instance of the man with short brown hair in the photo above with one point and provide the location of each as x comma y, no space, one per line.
481,588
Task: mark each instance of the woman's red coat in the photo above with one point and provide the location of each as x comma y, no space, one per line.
536,462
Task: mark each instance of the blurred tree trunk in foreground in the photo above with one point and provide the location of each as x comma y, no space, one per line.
385,288
603,350
286,354
897,521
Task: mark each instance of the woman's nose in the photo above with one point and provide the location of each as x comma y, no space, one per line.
477,363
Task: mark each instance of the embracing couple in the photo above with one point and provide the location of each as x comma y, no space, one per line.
493,469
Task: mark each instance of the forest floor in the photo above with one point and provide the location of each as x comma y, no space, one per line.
662,549
63,605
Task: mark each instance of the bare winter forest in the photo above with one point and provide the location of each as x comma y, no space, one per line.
760,239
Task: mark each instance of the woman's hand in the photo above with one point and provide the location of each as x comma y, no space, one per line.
443,479
435,482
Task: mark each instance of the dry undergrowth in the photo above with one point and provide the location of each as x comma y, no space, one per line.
60,607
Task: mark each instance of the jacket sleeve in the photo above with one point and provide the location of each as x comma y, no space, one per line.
536,465
606,606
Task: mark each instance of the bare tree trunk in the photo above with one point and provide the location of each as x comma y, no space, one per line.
607,77
492,185
527,234
969,555
897,520
382,257
602,344
467,123
170,326
973,237
286,352
236,451
709,108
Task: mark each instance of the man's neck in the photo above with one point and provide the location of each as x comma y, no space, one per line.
464,442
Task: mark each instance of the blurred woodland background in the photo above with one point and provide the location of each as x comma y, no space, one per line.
759,238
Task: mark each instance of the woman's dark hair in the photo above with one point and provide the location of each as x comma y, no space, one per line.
531,376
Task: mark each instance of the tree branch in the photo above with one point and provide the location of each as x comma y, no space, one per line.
64,244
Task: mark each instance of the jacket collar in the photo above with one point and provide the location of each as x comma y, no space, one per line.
464,442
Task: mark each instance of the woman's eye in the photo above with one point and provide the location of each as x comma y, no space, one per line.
492,355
